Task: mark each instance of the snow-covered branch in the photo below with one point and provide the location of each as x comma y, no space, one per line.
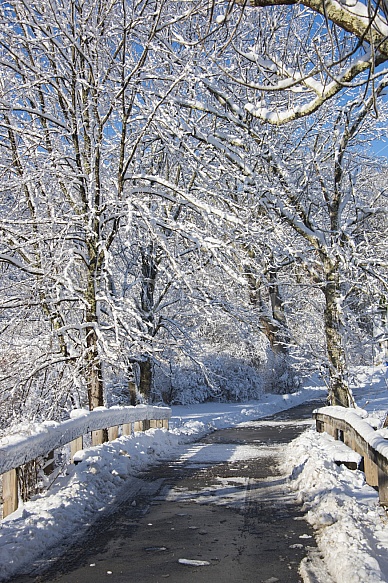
20,265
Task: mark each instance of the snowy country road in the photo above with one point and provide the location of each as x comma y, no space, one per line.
219,512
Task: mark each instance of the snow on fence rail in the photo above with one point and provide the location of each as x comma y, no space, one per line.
357,433
102,423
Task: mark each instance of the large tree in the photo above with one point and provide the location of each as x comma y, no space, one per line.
77,102
300,175
96,213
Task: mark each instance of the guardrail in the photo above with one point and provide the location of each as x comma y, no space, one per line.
347,426
102,423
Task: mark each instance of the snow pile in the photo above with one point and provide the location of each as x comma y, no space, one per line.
351,527
336,451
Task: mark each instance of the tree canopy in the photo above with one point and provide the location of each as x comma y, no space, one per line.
182,185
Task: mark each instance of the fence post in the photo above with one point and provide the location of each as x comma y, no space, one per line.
127,428
10,492
331,429
76,445
113,433
371,471
142,425
349,440
383,488
99,436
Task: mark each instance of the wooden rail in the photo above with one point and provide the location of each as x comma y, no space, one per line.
103,424
345,425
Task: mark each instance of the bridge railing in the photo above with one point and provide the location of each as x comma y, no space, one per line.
348,426
102,423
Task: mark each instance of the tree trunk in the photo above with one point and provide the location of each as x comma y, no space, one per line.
132,393
146,378
94,382
339,392
273,322
149,272
279,323
93,365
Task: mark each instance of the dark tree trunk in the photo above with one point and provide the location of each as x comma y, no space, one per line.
132,393
149,272
93,366
146,378
281,336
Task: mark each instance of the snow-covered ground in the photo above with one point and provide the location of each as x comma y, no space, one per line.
352,530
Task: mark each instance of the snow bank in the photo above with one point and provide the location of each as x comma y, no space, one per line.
350,525
76,499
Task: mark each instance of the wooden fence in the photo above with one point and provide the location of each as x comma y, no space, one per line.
345,425
103,424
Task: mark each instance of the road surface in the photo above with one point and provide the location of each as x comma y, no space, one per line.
221,512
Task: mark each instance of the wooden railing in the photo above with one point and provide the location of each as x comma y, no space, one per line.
103,424
347,426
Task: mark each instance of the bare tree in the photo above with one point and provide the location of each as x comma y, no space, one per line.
301,176
77,101
82,89
302,53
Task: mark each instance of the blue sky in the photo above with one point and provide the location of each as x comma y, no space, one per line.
380,147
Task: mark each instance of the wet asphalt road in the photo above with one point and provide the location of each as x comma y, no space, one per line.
224,502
